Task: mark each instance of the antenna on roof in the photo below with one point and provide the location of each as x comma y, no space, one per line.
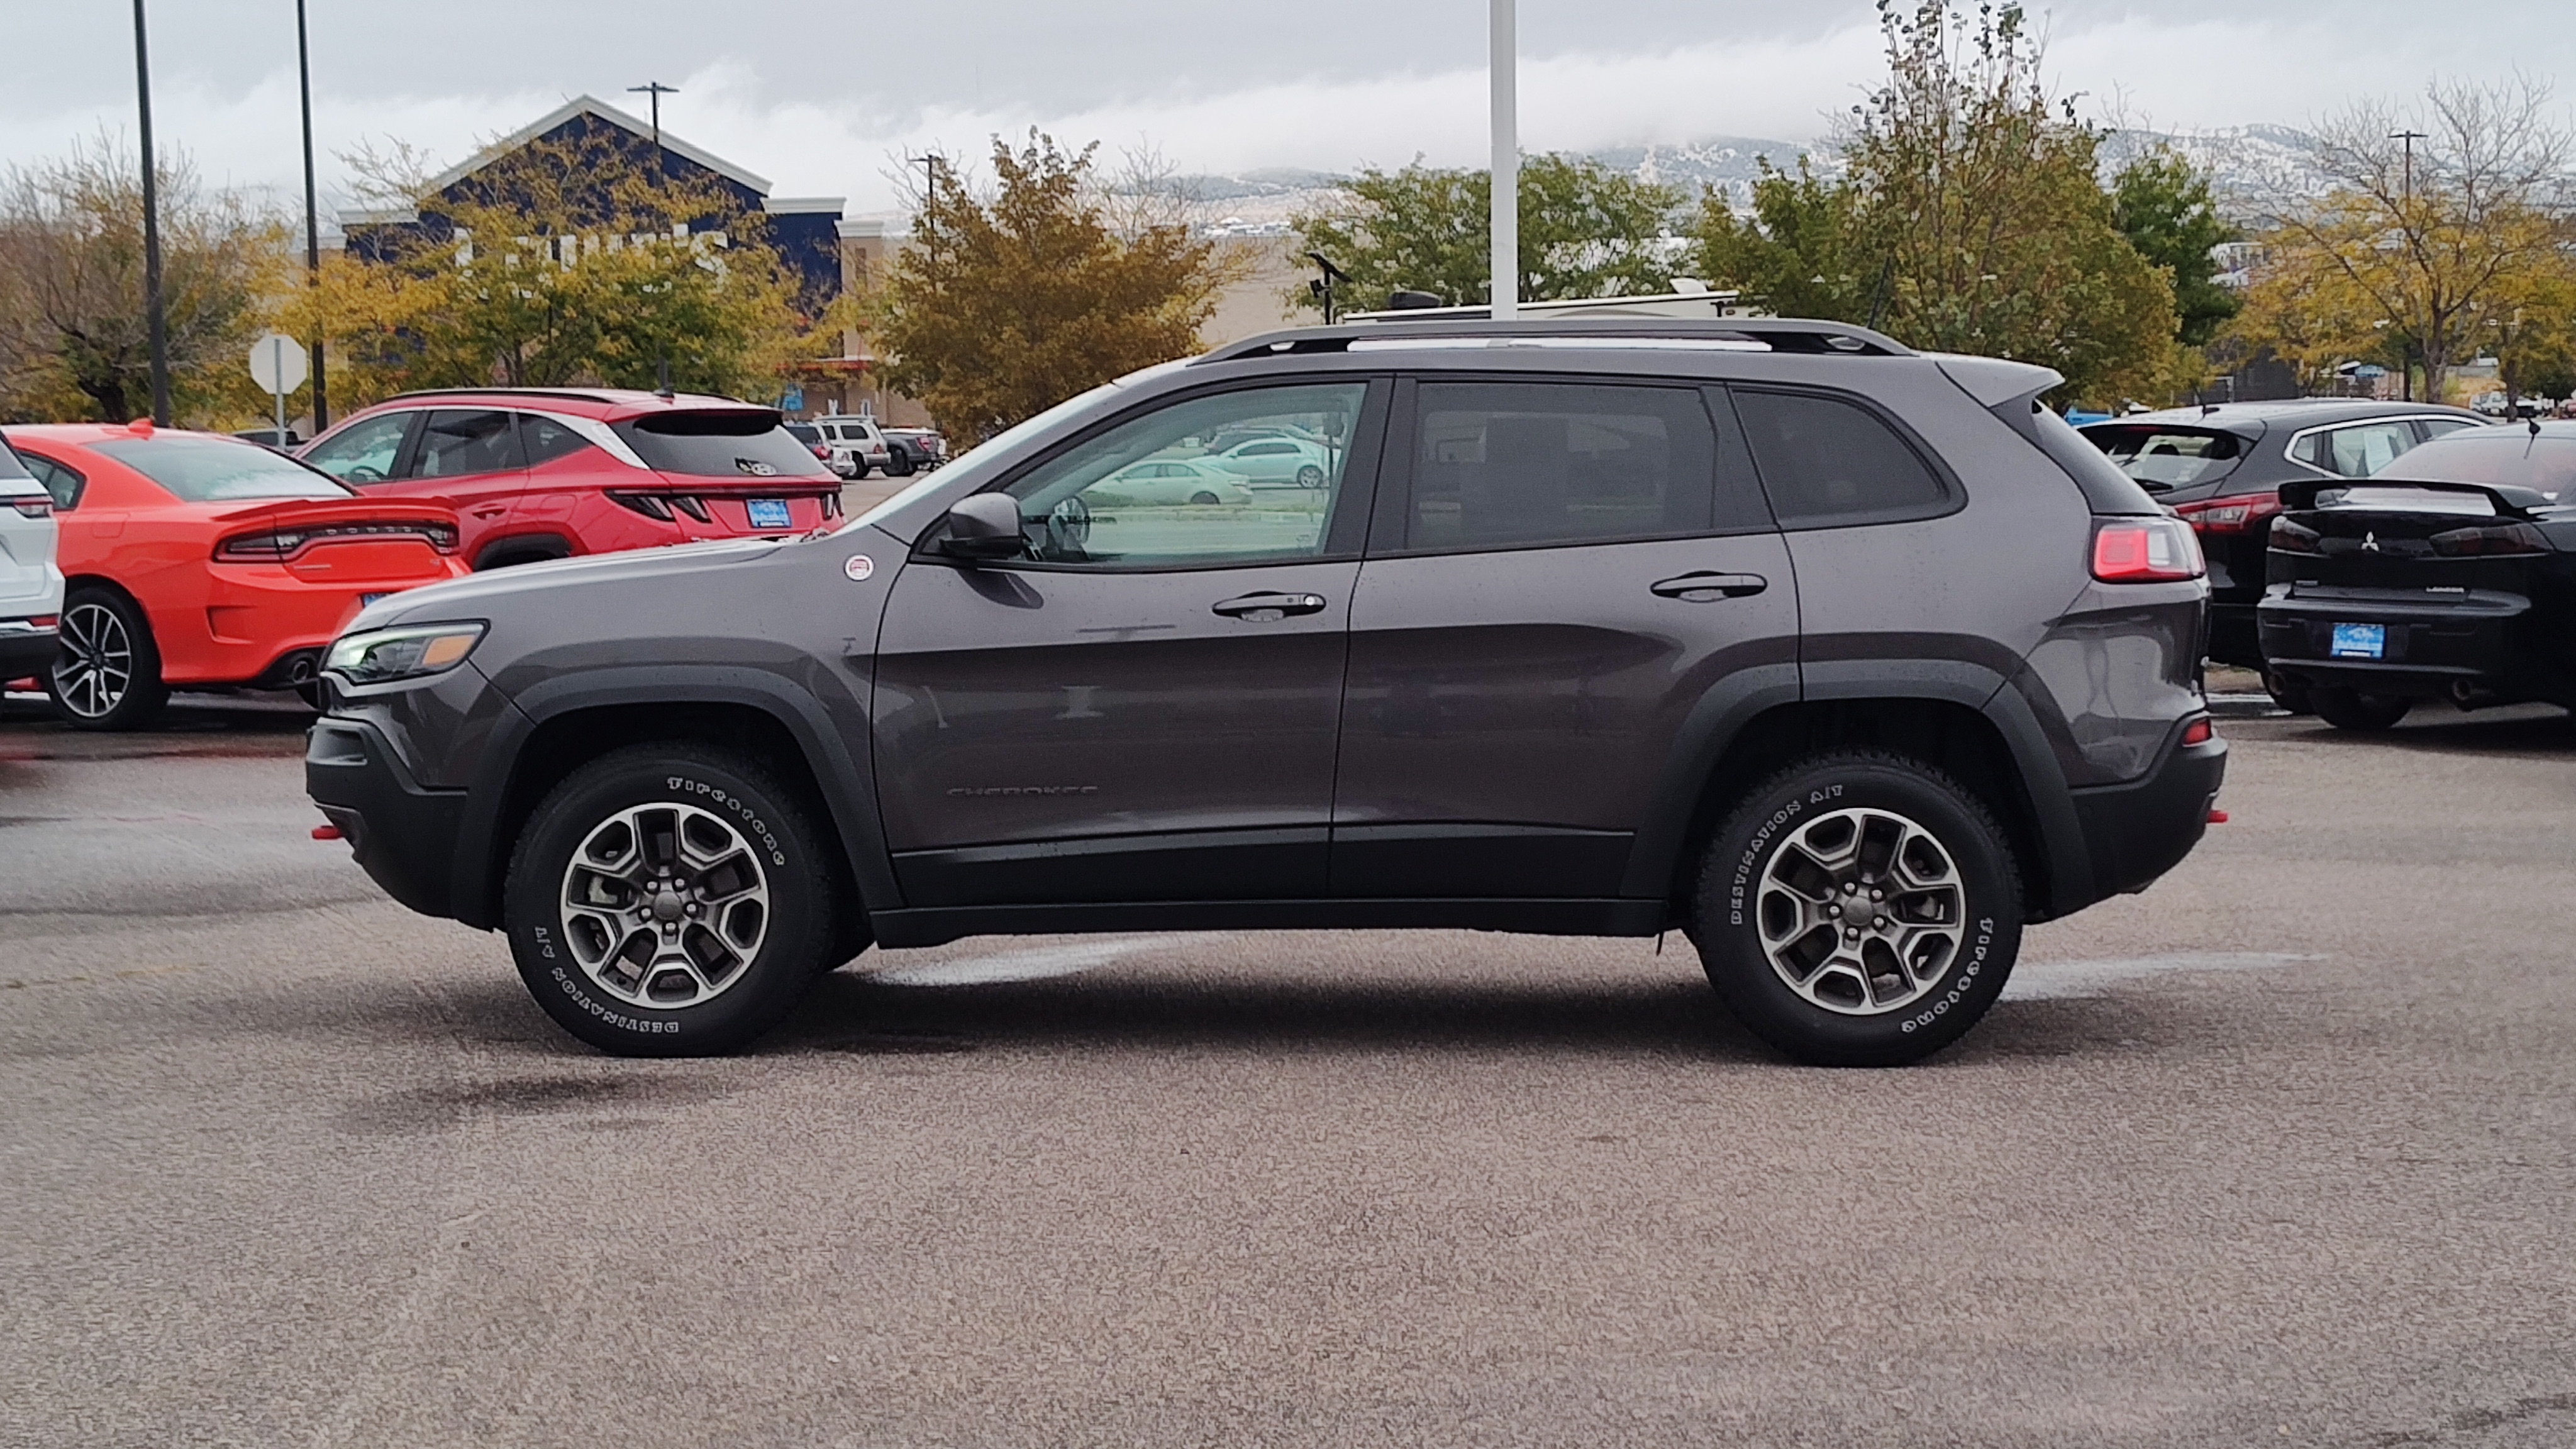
662,379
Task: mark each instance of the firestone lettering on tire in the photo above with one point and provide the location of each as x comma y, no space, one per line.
741,810
613,1018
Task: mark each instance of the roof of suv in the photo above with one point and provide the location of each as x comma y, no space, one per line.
609,404
1734,334
2252,419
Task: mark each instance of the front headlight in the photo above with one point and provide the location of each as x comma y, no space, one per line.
381,656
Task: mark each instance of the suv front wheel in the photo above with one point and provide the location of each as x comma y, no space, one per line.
668,900
1858,909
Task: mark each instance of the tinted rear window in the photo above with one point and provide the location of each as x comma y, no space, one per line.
2167,457
2510,456
212,470
1516,464
721,445
805,433
1828,461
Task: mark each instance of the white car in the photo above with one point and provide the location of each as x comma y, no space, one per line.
1173,480
1275,460
31,584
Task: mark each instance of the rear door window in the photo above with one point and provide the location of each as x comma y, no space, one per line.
63,482
2356,451
709,444
463,443
1500,465
1827,461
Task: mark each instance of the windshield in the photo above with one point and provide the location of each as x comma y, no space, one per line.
2167,457
201,469
709,444
2499,456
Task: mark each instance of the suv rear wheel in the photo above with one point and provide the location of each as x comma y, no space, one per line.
1858,909
669,900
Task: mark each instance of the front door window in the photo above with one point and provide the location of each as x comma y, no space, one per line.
365,451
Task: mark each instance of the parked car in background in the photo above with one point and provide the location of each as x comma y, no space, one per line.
2450,573
1845,660
1276,460
824,453
862,446
2221,468
31,582
537,473
927,447
284,441
1174,480
199,559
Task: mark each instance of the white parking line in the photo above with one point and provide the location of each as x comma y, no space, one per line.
2052,980
1035,964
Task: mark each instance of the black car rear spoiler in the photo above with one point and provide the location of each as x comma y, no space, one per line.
2301,495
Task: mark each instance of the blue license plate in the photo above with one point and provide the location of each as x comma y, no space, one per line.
2359,641
768,512
365,599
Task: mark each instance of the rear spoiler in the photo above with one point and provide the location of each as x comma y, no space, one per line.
2301,495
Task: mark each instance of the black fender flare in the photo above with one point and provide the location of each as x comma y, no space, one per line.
847,785
1719,718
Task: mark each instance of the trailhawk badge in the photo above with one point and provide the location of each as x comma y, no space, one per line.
859,567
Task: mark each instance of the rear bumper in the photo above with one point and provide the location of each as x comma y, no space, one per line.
26,652
2138,831
403,835
2466,643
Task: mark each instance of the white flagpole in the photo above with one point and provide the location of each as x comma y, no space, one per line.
1507,168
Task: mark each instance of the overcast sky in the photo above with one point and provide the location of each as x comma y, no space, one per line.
819,97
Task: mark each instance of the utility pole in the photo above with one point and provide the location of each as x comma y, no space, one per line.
151,230
312,223
2406,219
1325,289
1502,66
657,91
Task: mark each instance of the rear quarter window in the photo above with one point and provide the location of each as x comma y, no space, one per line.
1828,461
720,445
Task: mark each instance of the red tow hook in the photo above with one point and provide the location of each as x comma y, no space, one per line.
326,832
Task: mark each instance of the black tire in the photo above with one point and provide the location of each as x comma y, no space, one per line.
1203,497
798,926
2350,709
108,675
1921,1013
2293,697
1310,476
898,463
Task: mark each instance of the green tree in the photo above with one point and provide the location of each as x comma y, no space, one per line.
1968,216
2161,203
74,337
1585,231
1008,303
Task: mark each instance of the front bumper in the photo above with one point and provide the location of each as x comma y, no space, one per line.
2469,642
2138,831
403,834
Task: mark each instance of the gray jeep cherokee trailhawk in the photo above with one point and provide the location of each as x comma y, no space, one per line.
1848,661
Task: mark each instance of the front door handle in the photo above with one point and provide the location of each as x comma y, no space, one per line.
492,510
1708,588
1263,607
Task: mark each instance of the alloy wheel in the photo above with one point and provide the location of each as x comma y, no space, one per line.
665,905
96,667
1862,911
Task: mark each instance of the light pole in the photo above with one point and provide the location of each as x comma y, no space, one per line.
1506,217
151,229
2406,220
1333,276
312,224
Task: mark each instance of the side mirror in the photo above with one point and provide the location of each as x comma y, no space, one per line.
984,526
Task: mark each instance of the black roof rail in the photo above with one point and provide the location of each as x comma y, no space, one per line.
573,393
1780,334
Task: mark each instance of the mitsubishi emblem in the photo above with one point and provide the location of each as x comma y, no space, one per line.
2369,542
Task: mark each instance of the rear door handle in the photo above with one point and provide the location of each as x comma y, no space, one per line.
494,510
1707,588
1263,607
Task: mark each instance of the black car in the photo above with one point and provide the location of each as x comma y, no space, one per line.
2449,574
2221,468
1847,661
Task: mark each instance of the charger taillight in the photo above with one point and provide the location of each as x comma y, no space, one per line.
2145,551
39,506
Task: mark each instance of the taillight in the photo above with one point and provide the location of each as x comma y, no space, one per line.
2231,515
2490,541
2145,551
2291,537
2199,732
693,507
39,506
278,544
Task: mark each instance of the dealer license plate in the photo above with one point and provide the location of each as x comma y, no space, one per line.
768,513
2359,641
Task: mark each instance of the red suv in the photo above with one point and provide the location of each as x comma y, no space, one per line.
547,473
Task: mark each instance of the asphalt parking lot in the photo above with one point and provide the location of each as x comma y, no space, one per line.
2282,1151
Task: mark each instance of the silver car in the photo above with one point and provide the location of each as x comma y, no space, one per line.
31,584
